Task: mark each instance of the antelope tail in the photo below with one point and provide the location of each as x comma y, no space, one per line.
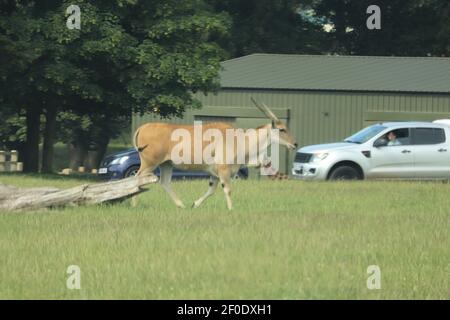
139,149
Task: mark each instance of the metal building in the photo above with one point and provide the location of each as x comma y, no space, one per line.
326,98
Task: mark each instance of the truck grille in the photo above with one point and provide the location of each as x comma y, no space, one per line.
302,157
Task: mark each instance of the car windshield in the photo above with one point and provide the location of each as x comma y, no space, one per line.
365,134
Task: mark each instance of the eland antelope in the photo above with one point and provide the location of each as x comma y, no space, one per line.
157,147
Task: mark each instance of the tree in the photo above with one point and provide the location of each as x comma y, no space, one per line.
18,51
12,130
87,136
442,45
271,26
408,28
128,56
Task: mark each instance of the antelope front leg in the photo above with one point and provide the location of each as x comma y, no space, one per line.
213,182
225,179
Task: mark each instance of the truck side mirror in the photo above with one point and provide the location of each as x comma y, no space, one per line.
382,142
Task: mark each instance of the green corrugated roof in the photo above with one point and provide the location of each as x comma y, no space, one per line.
344,73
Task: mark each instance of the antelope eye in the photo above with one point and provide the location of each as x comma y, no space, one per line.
282,130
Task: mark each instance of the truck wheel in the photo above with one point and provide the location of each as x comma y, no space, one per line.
345,173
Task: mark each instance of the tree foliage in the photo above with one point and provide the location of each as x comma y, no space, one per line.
408,28
271,26
128,56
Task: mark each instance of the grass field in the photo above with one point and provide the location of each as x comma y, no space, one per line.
284,240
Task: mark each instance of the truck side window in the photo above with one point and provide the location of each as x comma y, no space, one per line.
398,137
428,136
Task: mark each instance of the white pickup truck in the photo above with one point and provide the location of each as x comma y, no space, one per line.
393,150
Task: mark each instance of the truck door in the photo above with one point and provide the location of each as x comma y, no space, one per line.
394,160
432,156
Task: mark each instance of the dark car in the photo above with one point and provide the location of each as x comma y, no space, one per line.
126,163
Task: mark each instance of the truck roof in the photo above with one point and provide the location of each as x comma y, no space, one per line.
439,124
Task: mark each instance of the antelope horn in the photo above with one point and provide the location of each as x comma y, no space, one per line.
265,109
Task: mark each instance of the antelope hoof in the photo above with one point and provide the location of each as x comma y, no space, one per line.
180,205
195,205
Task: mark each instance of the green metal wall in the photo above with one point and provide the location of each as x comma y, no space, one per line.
320,117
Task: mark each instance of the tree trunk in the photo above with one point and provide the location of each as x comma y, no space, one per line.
31,160
94,157
49,139
77,153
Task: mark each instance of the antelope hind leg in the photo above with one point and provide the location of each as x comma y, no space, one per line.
141,171
166,176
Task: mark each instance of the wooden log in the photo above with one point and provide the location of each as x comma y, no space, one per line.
14,156
13,198
12,166
9,193
66,171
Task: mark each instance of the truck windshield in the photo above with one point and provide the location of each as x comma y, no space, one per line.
365,134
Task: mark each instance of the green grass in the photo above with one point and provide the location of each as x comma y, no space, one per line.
284,240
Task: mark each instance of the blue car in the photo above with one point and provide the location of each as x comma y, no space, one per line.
126,163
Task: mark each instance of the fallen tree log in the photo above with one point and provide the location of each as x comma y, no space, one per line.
14,198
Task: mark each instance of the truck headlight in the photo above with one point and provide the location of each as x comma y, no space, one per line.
120,160
319,156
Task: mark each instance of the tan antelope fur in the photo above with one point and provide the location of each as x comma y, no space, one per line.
155,144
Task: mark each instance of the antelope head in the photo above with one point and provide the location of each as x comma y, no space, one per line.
284,137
